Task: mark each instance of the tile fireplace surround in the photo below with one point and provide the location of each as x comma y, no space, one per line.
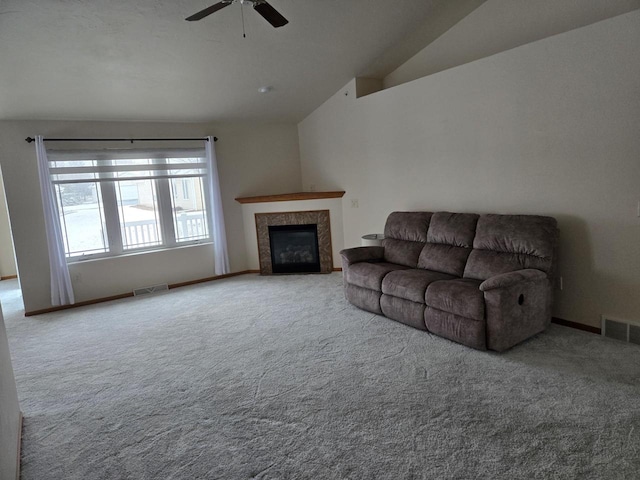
318,217
321,208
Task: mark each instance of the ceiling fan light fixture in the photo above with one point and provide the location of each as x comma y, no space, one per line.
264,9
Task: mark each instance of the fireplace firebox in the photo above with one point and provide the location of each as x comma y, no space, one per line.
299,221
294,248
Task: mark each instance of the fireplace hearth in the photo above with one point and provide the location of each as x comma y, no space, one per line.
294,248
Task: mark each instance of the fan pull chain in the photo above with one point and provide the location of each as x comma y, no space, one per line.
242,13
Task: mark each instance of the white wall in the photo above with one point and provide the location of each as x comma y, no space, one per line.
253,159
9,411
499,25
549,128
7,259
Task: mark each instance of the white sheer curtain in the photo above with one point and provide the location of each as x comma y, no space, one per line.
61,289
216,215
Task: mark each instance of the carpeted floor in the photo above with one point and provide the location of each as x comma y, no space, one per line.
280,378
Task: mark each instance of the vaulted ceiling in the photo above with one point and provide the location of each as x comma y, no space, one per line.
140,59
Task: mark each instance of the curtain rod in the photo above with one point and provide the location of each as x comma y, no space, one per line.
30,140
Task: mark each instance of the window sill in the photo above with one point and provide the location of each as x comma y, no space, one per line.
89,259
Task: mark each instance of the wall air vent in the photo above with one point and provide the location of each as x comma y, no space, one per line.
624,330
152,289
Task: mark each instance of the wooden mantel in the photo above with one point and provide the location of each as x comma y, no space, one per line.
289,197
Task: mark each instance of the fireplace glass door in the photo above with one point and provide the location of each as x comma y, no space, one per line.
294,248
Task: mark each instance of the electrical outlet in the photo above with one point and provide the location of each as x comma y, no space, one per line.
354,203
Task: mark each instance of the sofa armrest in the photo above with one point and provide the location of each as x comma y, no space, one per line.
518,305
509,279
361,254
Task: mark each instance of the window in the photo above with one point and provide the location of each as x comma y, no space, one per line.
119,201
185,188
81,218
139,214
189,214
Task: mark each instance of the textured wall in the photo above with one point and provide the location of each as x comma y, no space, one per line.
549,128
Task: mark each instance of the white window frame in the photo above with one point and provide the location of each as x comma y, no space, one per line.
185,189
112,220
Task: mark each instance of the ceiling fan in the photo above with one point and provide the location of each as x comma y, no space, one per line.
269,13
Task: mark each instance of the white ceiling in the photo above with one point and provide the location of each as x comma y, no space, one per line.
140,60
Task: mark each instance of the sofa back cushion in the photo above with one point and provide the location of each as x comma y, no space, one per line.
405,234
504,243
449,241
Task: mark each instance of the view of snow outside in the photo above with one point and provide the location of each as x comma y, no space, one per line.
83,221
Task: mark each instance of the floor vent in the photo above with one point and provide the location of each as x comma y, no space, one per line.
152,289
624,330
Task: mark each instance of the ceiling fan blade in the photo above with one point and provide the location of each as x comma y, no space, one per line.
208,11
270,14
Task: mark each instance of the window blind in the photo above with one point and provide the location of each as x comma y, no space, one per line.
79,166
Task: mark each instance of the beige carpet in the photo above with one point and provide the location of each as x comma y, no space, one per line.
280,378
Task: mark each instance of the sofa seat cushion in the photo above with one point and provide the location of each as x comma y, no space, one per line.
461,297
369,275
411,284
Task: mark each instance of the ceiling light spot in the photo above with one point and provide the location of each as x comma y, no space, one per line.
265,89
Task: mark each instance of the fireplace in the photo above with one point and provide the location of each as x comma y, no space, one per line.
294,248
294,242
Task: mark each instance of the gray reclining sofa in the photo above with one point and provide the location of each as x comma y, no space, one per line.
485,281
